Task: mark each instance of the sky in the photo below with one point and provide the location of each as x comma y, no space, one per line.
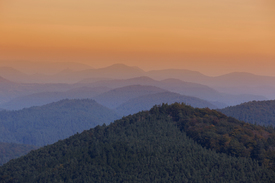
214,36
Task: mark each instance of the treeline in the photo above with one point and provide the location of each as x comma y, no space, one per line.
255,112
151,146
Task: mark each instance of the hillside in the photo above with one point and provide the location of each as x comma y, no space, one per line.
117,96
151,146
232,83
146,102
49,123
10,90
184,88
10,151
173,85
42,98
259,112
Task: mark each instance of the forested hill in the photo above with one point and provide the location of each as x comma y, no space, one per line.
49,123
154,146
259,112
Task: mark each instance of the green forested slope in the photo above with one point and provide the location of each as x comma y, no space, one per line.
214,130
9,151
259,112
49,123
149,146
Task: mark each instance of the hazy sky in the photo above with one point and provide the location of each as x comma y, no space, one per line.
211,36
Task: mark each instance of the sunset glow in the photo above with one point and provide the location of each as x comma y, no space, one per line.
213,37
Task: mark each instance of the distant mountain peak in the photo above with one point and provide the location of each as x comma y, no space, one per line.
122,66
67,70
173,80
138,87
141,78
4,81
185,71
239,74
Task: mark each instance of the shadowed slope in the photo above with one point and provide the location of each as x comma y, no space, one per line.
49,123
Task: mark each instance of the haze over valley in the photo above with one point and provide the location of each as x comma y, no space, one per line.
91,83
34,110
137,91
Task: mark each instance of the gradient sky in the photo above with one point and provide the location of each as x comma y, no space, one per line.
213,36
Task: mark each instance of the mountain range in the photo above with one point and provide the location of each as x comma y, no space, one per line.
47,124
184,88
146,102
10,90
38,109
32,94
118,96
121,71
175,143
232,83
42,98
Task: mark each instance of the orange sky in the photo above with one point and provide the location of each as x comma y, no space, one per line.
213,36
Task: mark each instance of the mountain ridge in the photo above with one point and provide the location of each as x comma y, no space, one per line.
155,145
259,112
43,98
49,123
146,102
